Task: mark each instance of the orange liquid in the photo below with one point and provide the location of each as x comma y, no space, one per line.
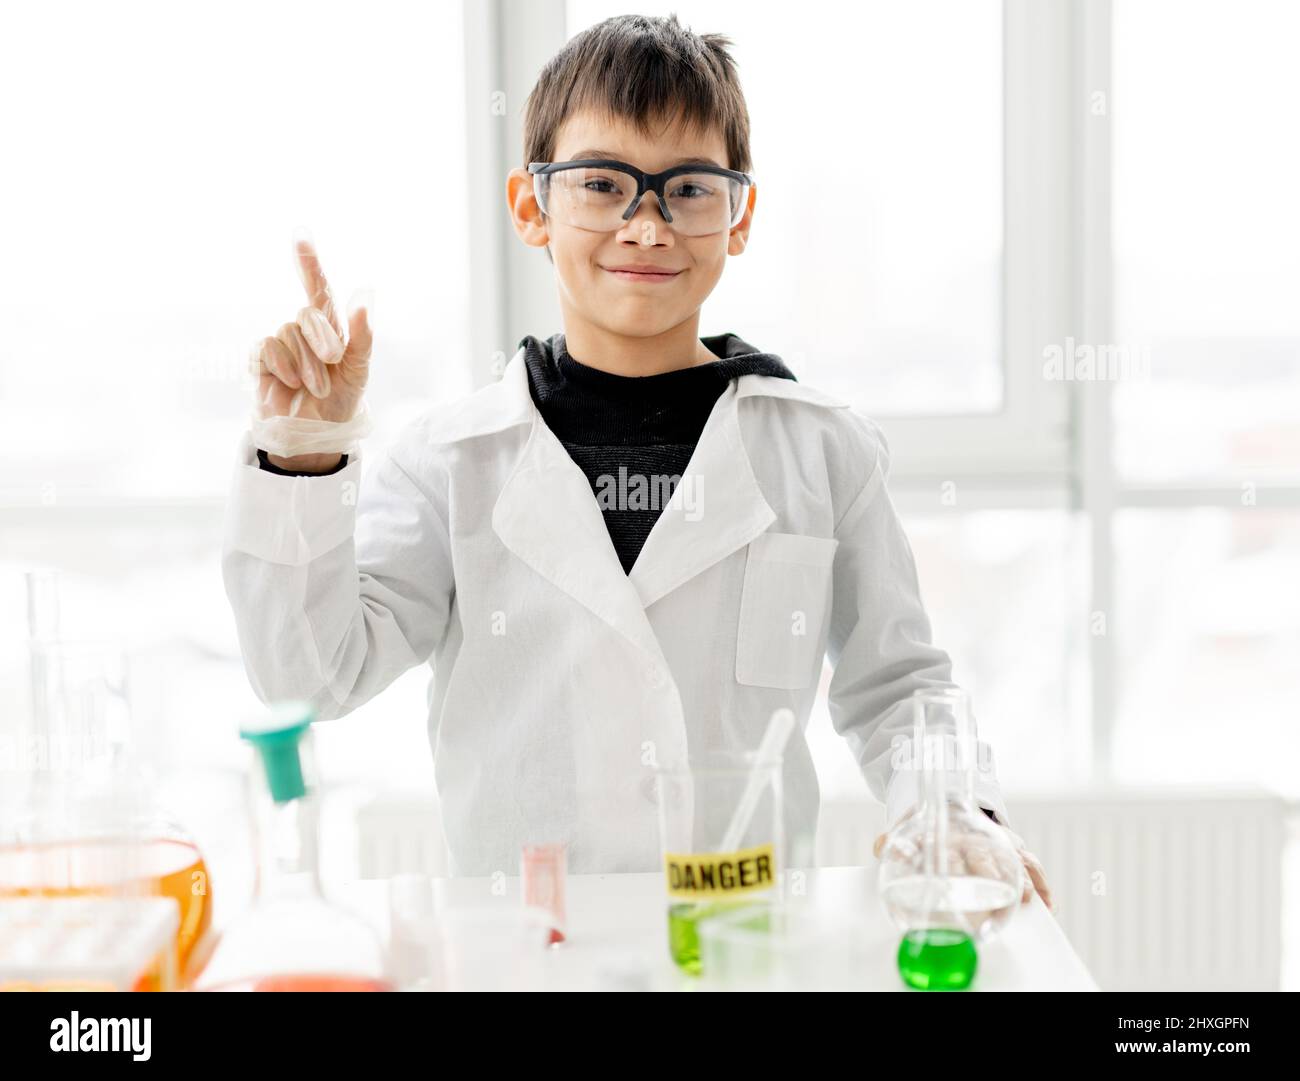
162,868
307,981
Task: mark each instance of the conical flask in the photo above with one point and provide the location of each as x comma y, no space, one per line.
949,878
291,938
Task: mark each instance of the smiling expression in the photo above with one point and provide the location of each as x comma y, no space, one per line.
643,279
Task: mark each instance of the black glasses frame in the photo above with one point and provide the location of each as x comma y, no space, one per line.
645,182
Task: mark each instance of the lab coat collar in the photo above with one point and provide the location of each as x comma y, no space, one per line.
747,386
509,402
547,516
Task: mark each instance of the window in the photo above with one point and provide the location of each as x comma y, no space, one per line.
169,153
1119,180
1207,259
1207,646
1207,441
875,262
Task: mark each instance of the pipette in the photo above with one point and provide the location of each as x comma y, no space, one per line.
774,740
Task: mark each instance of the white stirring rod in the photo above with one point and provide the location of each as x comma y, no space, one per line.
774,740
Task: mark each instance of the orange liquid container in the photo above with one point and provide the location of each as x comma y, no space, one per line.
307,981
87,943
160,867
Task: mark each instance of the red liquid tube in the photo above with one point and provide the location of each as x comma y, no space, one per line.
543,871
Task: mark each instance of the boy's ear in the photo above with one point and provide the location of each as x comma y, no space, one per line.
740,231
527,216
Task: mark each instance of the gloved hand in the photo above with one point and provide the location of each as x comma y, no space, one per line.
966,853
307,369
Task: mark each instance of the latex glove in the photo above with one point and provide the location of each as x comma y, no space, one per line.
966,854
307,369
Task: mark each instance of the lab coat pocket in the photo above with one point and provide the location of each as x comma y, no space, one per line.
783,606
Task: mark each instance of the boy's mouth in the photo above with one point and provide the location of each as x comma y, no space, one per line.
642,272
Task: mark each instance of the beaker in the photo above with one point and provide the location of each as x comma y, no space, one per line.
493,948
714,861
97,834
78,816
949,878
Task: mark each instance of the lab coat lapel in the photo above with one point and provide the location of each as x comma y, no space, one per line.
716,508
547,515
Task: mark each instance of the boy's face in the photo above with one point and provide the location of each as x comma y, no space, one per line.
590,288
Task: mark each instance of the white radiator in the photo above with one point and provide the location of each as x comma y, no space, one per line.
1157,891
399,834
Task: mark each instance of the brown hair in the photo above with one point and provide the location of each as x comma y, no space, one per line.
644,69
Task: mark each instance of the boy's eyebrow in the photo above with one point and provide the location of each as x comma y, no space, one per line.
609,154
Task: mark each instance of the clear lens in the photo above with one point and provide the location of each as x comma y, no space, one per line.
596,199
703,203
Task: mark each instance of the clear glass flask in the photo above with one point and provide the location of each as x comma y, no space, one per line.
949,877
291,938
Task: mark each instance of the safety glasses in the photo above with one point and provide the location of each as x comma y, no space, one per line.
601,195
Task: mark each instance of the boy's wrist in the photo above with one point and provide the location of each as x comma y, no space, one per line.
302,464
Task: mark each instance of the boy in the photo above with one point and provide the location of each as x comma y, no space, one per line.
635,546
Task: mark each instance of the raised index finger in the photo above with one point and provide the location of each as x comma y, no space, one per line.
318,289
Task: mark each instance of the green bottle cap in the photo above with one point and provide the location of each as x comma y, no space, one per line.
276,737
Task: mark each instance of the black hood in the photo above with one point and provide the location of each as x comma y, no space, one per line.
736,357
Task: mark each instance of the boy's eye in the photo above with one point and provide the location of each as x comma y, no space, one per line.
602,185
692,188
588,185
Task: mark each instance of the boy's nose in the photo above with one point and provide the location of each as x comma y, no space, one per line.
647,222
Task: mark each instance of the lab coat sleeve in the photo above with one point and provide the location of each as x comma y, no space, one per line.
879,644
337,587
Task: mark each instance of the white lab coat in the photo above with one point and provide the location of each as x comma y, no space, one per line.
559,681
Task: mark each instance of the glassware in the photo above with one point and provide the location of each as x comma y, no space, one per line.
949,878
543,869
495,947
87,944
704,874
291,938
778,946
78,837
77,813
414,962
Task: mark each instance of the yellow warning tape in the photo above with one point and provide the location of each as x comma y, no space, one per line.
711,874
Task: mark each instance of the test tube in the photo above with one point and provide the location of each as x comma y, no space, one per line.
543,872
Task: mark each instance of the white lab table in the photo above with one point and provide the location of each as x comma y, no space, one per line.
615,918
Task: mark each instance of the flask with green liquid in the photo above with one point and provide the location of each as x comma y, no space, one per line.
949,878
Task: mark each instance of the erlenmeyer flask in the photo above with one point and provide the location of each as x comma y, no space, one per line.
291,938
949,878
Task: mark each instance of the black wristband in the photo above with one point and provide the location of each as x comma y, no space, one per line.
264,462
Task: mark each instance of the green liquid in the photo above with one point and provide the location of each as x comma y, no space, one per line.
937,959
683,933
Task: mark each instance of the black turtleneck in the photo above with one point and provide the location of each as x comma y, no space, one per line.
633,436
